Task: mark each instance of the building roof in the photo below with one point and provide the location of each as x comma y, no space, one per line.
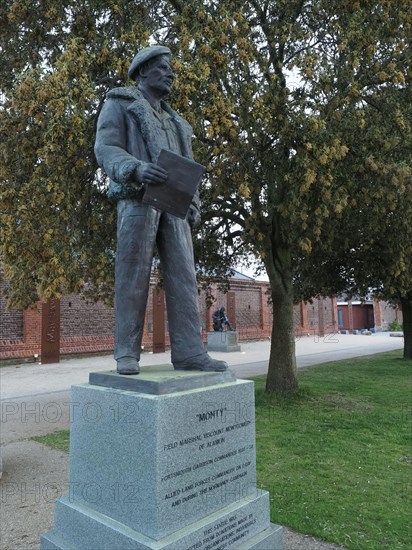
238,275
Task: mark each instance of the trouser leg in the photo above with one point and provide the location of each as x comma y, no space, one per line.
136,234
174,243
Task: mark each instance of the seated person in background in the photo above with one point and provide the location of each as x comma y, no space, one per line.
220,320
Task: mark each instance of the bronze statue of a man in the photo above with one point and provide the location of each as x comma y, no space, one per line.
134,125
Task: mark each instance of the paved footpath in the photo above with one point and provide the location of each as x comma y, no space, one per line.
33,379
36,401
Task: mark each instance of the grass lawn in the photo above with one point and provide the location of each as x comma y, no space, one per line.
337,458
57,440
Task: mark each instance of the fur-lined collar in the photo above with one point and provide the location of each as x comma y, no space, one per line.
142,111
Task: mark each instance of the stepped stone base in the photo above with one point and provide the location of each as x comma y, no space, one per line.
238,526
169,464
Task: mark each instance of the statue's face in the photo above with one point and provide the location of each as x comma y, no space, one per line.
159,76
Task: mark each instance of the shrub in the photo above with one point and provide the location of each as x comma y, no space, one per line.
395,326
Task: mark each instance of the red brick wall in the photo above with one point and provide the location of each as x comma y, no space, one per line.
313,316
252,311
248,303
377,313
85,327
89,327
299,321
385,313
27,343
81,318
319,317
330,315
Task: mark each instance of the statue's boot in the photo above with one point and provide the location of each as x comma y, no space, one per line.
201,362
128,365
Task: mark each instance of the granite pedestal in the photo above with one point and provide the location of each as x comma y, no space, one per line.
226,340
163,460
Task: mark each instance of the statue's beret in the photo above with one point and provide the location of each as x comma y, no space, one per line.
144,55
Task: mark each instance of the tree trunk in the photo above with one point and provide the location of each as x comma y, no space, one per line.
281,376
406,304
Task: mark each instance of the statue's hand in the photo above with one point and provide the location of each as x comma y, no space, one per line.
193,216
150,174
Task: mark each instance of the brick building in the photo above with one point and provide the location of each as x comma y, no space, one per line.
370,314
89,327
